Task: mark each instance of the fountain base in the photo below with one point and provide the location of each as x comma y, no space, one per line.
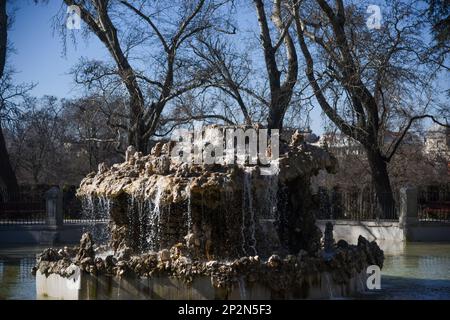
90,287
89,272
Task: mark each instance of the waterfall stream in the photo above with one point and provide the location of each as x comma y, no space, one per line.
150,226
189,209
96,210
248,227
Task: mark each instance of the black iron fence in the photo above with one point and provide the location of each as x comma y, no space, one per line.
28,206
433,203
355,205
85,220
23,208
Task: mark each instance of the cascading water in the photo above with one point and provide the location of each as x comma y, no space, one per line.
144,215
242,288
248,214
271,196
249,222
137,218
328,283
96,210
189,208
154,220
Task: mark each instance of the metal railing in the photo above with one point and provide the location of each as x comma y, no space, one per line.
85,221
23,209
433,204
355,205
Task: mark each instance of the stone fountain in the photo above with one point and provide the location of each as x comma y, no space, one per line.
193,231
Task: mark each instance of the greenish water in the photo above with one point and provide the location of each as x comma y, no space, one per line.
414,271
16,280
411,271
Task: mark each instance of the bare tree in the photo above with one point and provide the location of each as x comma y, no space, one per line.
366,81
158,31
39,137
94,127
7,174
60,141
281,90
9,95
229,71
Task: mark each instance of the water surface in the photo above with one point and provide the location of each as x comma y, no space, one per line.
16,280
414,271
411,271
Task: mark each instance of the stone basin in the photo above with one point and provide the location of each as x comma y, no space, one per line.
89,287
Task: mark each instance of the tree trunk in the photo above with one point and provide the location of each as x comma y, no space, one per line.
7,174
3,35
275,119
381,183
136,137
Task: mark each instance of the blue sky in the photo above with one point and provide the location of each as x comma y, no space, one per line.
39,58
38,55
38,52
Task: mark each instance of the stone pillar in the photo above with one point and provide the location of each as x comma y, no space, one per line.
408,209
54,207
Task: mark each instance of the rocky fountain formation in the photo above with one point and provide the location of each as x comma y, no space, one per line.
219,211
223,221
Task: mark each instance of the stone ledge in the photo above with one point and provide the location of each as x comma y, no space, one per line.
87,287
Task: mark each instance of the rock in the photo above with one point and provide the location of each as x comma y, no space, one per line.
156,150
191,240
124,253
86,249
164,255
61,253
149,168
102,168
151,260
129,153
290,259
92,269
162,165
178,251
70,270
274,261
69,252
167,147
49,255
212,264
342,244
99,264
110,262
296,138
184,260
86,261
183,170
375,255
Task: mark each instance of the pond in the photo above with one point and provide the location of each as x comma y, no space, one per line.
411,271
414,271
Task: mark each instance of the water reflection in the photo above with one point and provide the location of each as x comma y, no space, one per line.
16,280
414,271
411,271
